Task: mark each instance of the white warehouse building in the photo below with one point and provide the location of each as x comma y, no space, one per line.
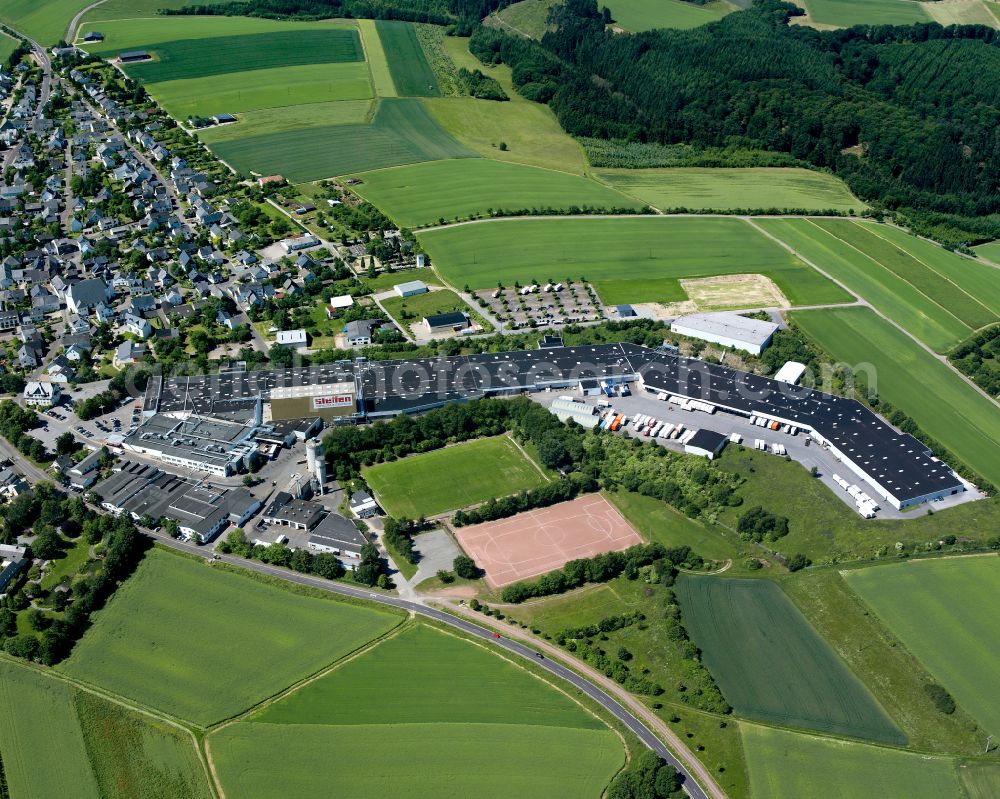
727,329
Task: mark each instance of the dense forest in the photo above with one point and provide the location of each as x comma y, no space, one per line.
906,115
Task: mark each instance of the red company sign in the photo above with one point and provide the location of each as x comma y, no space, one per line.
335,401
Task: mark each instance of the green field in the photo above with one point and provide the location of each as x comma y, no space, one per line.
401,132
733,189
411,74
933,395
45,21
644,15
788,765
296,117
943,611
171,634
445,709
989,251
980,780
845,13
7,46
237,92
527,16
377,61
658,521
938,296
127,9
628,260
458,681
180,59
771,664
57,741
453,477
421,194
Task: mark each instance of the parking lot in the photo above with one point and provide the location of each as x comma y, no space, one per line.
548,304
800,448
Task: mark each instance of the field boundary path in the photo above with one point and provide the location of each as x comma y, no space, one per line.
695,775
75,22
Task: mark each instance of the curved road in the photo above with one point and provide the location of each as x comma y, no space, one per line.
558,670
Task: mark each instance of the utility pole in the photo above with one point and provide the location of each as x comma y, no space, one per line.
988,739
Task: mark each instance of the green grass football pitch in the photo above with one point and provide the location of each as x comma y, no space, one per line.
644,15
453,477
58,741
846,13
943,610
771,665
181,59
628,260
458,720
412,75
938,296
401,132
171,635
789,765
942,404
733,189
422,194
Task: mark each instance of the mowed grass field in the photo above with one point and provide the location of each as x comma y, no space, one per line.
422,194
401,132
7,46
627,259
980,780
171,634
732,189
938,296
297,117
458,720
411,74
453,477
846,13
944,406
645,15
58,741
788,765
772,665
529,17
943,610
409,311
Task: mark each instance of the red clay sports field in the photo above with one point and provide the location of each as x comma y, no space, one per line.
539,541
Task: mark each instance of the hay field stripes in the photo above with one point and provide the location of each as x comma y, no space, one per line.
946,406
772,665
412,75
943,610
378,64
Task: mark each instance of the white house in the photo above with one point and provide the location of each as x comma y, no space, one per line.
41,393
292,338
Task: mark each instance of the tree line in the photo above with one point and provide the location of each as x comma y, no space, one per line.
905,115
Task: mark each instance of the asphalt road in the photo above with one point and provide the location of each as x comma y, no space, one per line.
514,647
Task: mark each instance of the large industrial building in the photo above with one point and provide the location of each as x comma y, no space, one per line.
900,468
728,329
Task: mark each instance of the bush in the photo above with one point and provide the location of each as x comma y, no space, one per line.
798,562
757,524
941,698
466,568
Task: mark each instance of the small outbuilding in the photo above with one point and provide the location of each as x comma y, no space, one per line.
411,288
446,322
133,56
706,443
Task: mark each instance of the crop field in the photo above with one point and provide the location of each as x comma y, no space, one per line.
938,296
218,55
658,521
377,61
170,635
961,12
453,477
627,259
989,252
43,729
401,132
45,21
980,780
129,9
733,189
411,74
451,707
943,611
772,665
421,194
458,681
933,395
296,117
788,765
7,46
64,742
845,13
644,15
